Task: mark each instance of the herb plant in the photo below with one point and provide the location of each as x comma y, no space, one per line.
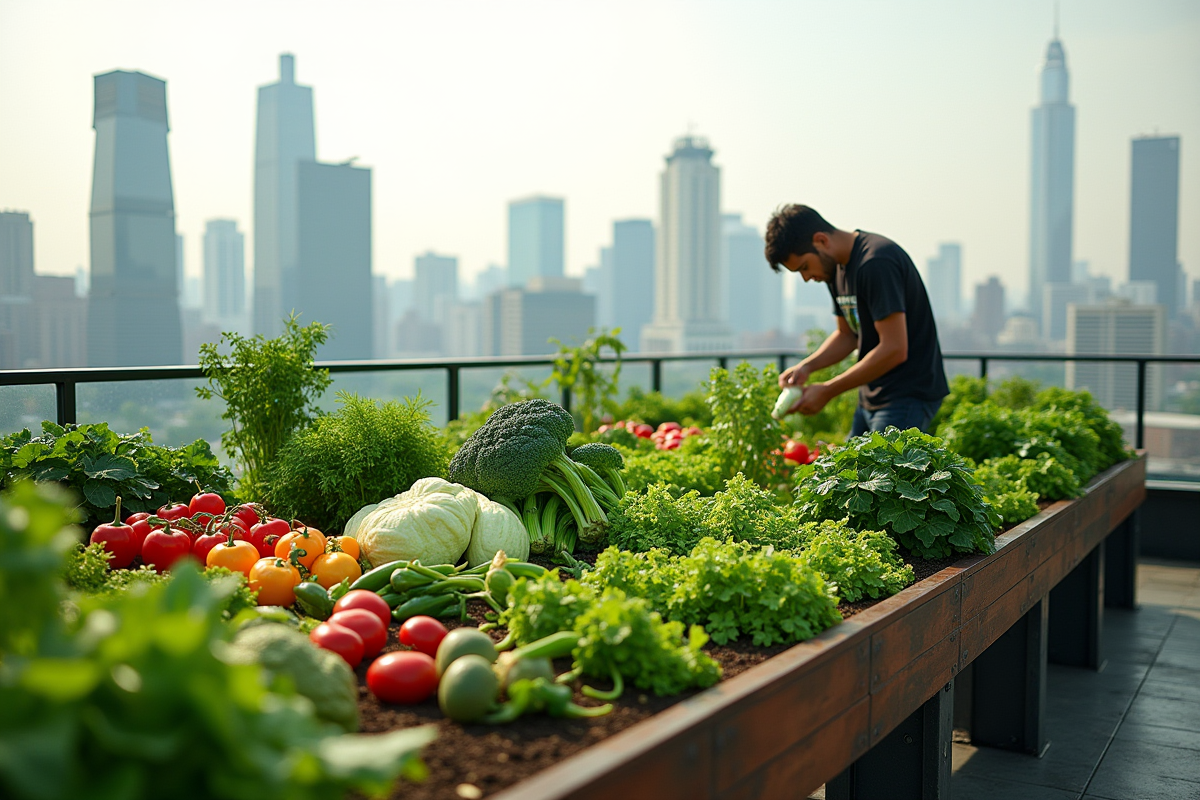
858,563
1044,476
99,464
903,482
654,408
593,385
731,588
744,435
360,454
694,465
270,391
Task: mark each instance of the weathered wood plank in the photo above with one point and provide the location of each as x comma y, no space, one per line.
920,680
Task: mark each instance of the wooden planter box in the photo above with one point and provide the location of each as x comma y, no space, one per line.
794,722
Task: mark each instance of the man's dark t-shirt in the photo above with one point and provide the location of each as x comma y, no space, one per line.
879,280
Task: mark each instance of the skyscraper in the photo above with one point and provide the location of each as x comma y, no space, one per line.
224,275
333,246
435,286
521,321
988,318
632,268
1117,328
132,227
285,136
1154,217
1052,179
16,287
755,292
943,280
688,306
535,239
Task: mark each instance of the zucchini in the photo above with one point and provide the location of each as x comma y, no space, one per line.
375,579
314,600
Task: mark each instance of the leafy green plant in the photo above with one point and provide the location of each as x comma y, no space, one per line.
1110,436
744,435
964,390
858,563
904,482
1014,392
360,454
654,408
127,695
694,465
99,464
731,588
593,385
1043,475
270,391
662,516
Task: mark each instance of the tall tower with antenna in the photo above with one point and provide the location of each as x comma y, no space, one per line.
1052,178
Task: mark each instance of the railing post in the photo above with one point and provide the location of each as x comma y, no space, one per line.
566,398
656,375
723,362
783,360
64,394
451,393
983,368
1139,436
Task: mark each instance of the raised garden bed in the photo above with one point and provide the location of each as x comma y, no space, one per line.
793,722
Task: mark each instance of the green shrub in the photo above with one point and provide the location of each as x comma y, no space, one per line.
363,453
904,482
744,435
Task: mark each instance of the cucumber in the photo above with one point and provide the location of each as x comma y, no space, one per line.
375,579
314,600
468,689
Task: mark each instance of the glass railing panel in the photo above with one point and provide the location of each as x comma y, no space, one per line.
386,385
169,408
26,407
681,377
476,385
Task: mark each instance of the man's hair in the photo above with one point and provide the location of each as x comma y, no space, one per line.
790,232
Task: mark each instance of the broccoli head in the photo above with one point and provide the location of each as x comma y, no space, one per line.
521,450
606,461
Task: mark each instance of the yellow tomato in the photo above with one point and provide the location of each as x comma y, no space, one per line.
310,540
344,544
274,579
238,556
332,568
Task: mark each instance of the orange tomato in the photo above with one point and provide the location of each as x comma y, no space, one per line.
345,544
274,579
239,556
310,540
332,568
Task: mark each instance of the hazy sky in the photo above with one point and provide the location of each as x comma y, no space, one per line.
906,117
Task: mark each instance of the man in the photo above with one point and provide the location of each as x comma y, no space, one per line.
882,311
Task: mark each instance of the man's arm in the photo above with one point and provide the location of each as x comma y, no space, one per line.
836,347
891,352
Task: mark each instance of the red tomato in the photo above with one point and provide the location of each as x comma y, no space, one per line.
163,548
118,540
402,677
643,431
671,444
173,511
619,423
207,503
339,639
361,598
141,529
247,515
265,534
132,518
692,431
604,429
795,451
422,633
205,543
670,426
813,456
368,627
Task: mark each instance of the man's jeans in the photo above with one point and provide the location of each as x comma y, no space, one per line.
905,413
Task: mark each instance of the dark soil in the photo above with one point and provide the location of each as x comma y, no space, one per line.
470,761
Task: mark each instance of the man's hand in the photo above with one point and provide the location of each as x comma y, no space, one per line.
795,376
814,399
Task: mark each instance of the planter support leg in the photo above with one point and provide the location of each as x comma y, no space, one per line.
1008,694
1120,564
1077,614
910,763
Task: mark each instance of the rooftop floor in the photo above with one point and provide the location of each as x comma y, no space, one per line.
1130,731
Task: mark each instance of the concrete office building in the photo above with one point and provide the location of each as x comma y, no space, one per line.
1154,217
755,293
435,286
285,136
521,321
631,280
943,280
1055,299
133,244
16,288
988,318
1116,328
333,268
535,239
689,310
1052,179
224,277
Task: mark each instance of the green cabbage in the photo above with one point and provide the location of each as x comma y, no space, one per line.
432,522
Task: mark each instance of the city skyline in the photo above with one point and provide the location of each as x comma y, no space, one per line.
951,171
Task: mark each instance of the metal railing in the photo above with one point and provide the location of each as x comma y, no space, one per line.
65,381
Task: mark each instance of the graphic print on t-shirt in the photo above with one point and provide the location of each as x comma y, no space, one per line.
848,303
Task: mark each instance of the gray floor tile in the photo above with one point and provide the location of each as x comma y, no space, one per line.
971,787
1158,735
1168,713
1172,690
1180,659
1134,769
1172,674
